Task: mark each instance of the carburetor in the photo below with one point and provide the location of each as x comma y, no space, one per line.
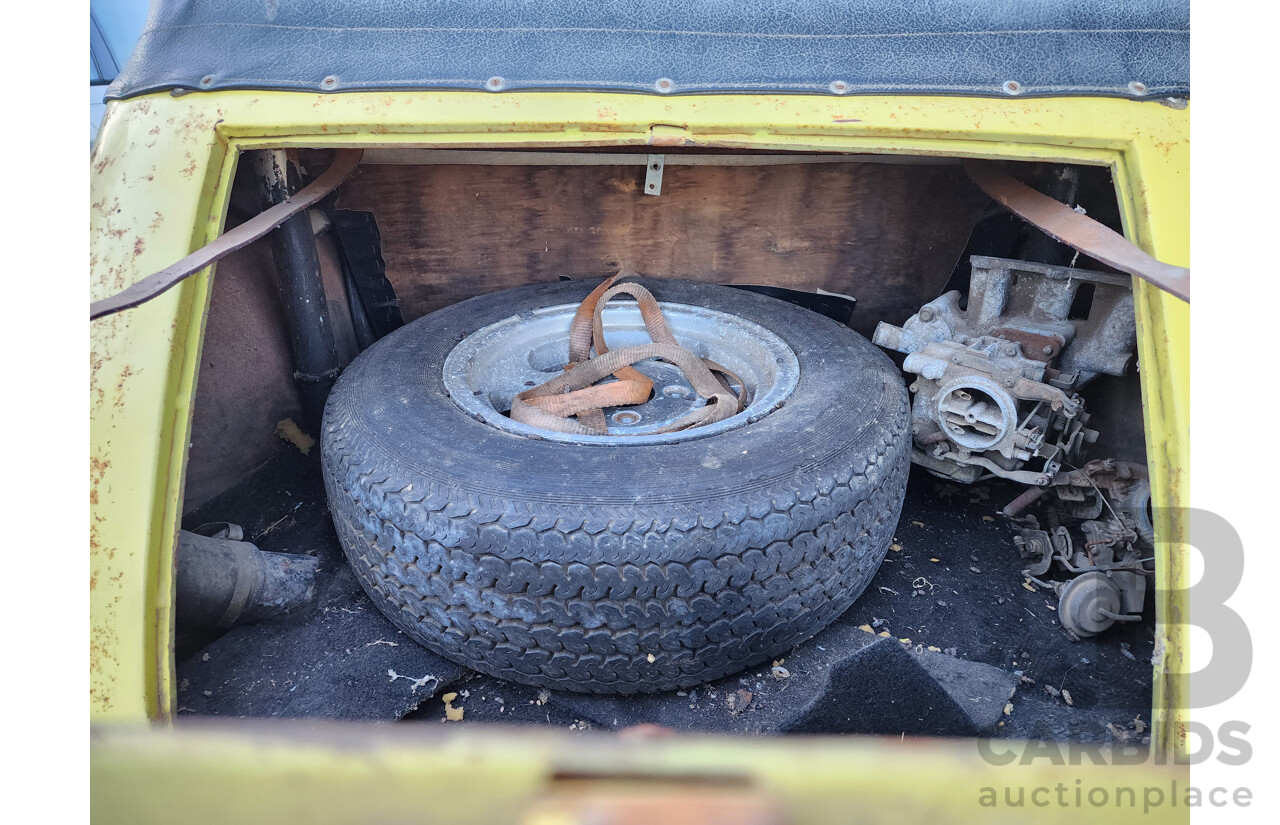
996,394
997,381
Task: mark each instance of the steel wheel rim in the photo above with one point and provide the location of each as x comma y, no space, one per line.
485,370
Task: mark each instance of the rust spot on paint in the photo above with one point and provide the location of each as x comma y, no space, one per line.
138,246
125,374
98,468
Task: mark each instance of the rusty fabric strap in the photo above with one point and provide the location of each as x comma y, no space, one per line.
1076,230
576,394
344,163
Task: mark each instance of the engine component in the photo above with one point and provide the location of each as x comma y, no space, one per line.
996,381
1106,502
1088,604
996,394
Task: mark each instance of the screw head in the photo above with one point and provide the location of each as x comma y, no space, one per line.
1010,349
838,87
206,81
926,314
495,84
1012,87
329,82
1137,87
1048,350
664,85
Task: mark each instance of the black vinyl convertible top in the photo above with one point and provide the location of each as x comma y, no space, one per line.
950,47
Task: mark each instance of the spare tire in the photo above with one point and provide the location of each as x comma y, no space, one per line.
615,565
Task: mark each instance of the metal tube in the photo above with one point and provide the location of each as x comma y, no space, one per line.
301,288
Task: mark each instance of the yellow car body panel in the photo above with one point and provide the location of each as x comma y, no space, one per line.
160,183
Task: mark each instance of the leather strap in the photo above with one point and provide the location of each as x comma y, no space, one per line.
344,163
1077,230
575,393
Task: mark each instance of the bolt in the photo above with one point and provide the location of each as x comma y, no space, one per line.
955,359
1048,350
1012,87
664,85
839,87
1009,382
206,81
926,314
1010,349
329,82
1137,88
495,83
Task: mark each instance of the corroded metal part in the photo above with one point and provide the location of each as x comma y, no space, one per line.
997,380
996,395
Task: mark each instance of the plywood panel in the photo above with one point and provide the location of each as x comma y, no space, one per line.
889,235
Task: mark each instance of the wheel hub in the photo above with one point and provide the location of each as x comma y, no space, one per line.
488,368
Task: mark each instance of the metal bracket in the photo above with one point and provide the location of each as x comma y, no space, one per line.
653,175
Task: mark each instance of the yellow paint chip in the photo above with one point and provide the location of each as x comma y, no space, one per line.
652,658
866,627
1008,709
451,714
895,547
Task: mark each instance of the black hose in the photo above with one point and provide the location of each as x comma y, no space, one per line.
301,288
